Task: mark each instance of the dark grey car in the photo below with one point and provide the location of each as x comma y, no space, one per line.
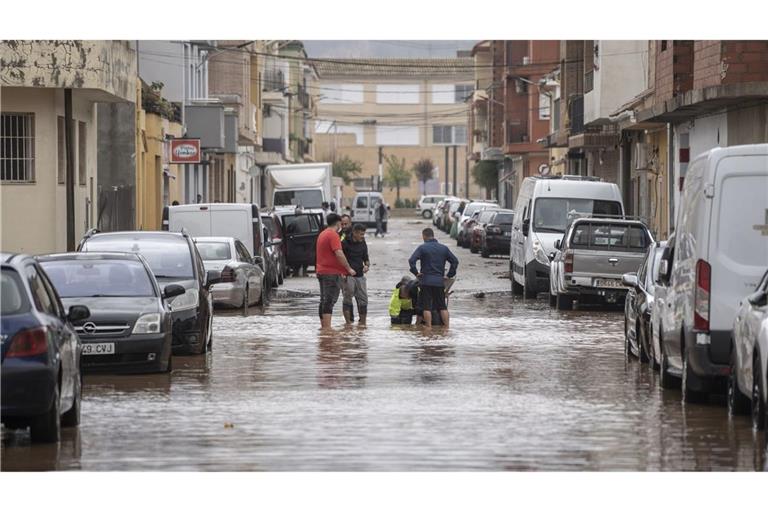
130,327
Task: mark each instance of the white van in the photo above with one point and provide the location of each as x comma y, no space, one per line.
720,254
364,208
238,220
541,216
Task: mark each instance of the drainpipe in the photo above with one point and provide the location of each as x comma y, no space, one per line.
70,175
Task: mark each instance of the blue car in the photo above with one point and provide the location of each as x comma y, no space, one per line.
40,386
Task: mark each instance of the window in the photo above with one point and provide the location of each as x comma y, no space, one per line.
17,147
362,202
99,278
341,93
332,128
242,253
13,298
544,106
397,93
397,135
82,139
166,258
450,93
211,251
448,134
61,170
551,213
463,91
43,301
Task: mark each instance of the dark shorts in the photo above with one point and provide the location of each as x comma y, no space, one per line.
432,298
330,287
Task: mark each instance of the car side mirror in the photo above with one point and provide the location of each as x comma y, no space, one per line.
758,299
212,277
78,313
173,290
257,260
526,226
629,280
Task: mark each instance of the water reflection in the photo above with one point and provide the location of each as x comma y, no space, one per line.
342,358
18,454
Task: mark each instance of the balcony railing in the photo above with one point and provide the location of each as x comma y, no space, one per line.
274,80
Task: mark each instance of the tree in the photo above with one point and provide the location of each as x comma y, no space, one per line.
397,174
486,174
347,169
423,171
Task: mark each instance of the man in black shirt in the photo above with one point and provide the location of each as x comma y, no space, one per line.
356,251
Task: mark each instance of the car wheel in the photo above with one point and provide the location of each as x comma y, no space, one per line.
689,396
552,300
517,289
426,214
484,252
564,302
627,347
47,427
280,278
738,404
246,297
528,291
642,355
666,379
654,360
473,249
71,418
758,407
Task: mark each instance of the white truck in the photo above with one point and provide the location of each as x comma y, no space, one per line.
305,185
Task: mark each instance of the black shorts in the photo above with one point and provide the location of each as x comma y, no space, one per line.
432,298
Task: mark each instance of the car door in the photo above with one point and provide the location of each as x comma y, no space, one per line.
301,232
247,267
47,304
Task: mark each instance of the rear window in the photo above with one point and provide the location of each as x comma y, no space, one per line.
300,224
604,236
551,213
214,250
503,218
13,299
304,198
168,258
99,278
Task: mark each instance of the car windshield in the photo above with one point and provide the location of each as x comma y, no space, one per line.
99,278
210,251
551,213
304,198
13,300
168,258
503,218
473,207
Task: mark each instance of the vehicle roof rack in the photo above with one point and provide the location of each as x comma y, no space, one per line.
574,216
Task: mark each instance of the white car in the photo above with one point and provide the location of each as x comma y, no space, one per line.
242,277
752,313
426,205
720,252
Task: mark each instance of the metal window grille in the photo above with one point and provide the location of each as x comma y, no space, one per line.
17,147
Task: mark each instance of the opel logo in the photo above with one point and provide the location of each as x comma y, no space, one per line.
89,327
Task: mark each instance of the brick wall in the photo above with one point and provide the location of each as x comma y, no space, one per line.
745,61
674,68
707,63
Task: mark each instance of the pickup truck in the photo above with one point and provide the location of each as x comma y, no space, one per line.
592,257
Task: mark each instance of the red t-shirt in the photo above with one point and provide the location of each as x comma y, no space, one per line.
325,260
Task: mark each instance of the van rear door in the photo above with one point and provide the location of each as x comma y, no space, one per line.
362,208
301,232
196,220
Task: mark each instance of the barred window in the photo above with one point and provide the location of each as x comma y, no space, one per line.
17,147
449,134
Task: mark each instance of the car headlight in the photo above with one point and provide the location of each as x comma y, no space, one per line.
539,254
147,324
189,300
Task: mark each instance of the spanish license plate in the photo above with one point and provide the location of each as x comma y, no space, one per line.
97,349
608,283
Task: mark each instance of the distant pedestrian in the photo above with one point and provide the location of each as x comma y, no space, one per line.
175,203
380,212
346,227
331,265
433,256
355,286
199,198
326,209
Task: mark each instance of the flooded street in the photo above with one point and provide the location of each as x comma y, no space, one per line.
513,385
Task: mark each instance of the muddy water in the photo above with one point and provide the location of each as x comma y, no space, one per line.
513,385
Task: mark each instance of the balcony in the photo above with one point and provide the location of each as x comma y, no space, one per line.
575,122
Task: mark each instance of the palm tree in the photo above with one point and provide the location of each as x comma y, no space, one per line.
423,170
397,174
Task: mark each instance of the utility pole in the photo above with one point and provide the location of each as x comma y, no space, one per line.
466,175
455,180
379,185
70,168
446,170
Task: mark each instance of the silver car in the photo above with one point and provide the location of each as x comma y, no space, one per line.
242,275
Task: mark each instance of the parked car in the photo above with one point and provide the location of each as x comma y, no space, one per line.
476,232
541,216
469,218
173,259
242,276
444,213
752,312
40,380
593,256
426,204
130,327
300,232
495,237
272,222
437,210
639,304
660,309
452,214
720,255
272,256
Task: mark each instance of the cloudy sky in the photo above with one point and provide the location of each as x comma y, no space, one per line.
393,48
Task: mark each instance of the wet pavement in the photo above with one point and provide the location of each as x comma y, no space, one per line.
512,385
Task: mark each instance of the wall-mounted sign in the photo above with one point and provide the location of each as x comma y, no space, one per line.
544,170
185,151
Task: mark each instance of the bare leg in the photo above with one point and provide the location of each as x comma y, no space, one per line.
427,318
444,316
325,321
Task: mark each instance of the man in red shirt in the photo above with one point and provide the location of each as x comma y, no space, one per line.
331,265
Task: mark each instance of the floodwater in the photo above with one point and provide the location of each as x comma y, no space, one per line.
512,386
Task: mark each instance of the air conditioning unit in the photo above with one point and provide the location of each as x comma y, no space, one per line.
640,156
526,60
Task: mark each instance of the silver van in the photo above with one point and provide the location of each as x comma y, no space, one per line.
541,217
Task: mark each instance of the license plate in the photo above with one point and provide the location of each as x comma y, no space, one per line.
608,283
97,349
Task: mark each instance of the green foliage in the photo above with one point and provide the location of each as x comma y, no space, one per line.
397,175
399,203
347,169
152,102
486,174
423,170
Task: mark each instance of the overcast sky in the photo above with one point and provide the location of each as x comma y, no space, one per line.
393,48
